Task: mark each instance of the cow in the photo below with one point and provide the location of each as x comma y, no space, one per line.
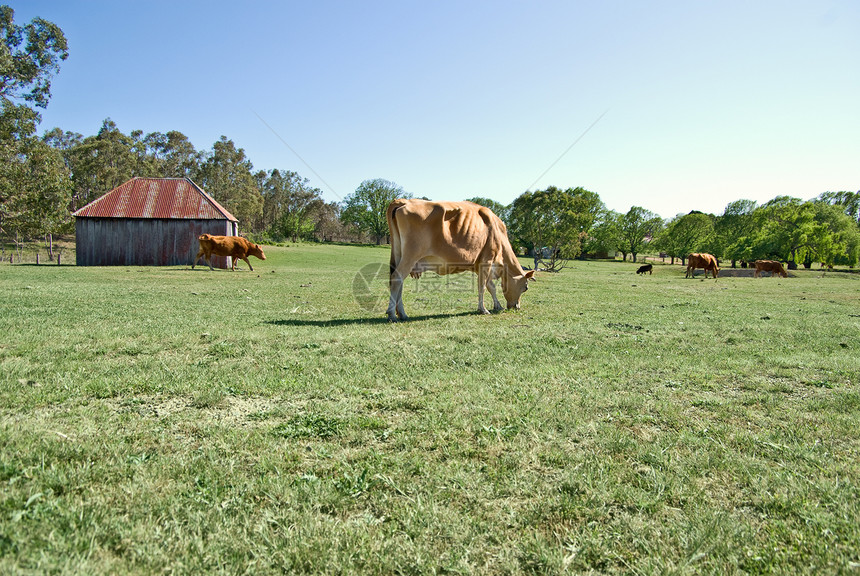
451,237
771,266
233,246
705,261
645,268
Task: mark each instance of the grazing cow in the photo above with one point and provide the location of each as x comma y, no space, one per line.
705,261
646,268
451,237
771,266
233,246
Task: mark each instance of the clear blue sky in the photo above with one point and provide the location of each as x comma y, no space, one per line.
703,102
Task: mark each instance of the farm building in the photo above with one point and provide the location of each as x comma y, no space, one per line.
150,222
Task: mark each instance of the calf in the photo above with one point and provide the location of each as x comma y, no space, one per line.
646,268
234,246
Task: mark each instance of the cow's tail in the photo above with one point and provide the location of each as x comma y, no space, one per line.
394,231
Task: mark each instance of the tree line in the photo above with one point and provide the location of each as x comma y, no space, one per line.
43,179
556,225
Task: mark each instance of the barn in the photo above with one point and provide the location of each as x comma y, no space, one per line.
150,222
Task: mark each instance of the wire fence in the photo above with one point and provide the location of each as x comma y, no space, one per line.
37,256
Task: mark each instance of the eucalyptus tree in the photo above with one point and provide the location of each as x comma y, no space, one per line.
34,180
100,163
225,173
290,204
30,56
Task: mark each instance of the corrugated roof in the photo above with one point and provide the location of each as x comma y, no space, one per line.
164,198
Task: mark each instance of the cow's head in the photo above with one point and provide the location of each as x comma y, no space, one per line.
514,286
255,250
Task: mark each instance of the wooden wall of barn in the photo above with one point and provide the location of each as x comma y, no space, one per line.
145,241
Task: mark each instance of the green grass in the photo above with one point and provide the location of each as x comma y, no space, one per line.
164,420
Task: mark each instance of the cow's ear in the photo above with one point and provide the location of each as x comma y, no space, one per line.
530,275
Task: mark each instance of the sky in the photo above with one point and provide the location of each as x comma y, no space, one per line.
669,105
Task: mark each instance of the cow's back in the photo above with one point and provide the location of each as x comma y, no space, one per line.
456,233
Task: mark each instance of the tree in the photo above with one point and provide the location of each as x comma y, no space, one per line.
732,229
685,234
789,225
498,208
29,57
365,208
849,201
835,237
635,228
100,163
34,181
226,175
553,223
289,204
605,235
35,190
327,224
64,142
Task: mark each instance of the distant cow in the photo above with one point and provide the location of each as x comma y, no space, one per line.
234,246
646,268
451,237
771,266
705,261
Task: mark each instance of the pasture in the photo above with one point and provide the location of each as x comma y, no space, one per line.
164,420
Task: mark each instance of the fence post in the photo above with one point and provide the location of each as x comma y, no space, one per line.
37,258
58,258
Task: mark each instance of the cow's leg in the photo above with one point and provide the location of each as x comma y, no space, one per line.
485,273
248,262
197,259
209,260
395,287
491,286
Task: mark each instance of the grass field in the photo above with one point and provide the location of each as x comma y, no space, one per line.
164,420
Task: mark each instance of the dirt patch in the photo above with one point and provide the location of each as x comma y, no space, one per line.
229,410
746,273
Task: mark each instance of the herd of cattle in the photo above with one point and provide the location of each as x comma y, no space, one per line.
446,238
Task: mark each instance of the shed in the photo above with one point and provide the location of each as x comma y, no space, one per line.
150,222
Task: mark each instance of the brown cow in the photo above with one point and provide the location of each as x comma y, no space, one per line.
234,246
705,261
771,266
451,237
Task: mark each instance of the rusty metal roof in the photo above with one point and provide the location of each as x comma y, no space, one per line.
162,198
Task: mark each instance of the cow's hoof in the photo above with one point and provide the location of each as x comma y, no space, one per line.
483,311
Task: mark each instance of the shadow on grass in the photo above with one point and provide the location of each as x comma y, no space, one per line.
366,321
